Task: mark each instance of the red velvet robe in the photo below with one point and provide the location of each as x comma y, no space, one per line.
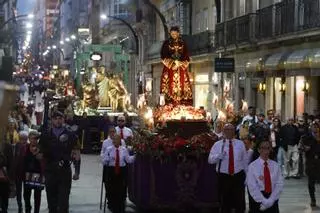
175,83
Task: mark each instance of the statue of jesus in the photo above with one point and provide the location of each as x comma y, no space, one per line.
175,83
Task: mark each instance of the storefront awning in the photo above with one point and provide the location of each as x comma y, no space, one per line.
297,60
275,62
314,59
254,65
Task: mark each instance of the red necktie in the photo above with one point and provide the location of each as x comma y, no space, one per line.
121,133
267,178
231,159
117,163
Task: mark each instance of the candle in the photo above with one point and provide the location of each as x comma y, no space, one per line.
244,106
215,99
162,100
148,84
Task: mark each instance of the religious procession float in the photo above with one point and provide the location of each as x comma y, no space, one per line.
171,171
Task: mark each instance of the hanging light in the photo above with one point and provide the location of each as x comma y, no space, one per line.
282,87
262,87
306,86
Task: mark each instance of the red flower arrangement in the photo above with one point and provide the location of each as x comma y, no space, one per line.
159,146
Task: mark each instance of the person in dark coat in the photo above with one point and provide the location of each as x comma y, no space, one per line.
311,146
19,155
289,136
261,132
59,148
6,174
34,177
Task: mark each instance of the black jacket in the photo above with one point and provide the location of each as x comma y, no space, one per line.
289,135
6,159
56,149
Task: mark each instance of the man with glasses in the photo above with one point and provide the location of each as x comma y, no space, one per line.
124,132
230,157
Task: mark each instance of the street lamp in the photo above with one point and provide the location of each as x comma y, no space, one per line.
103,16
31,16
62,42
67,39
28,25
54,47
96,56
49,48
73,37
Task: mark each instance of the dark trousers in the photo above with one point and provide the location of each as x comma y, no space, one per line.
232,192
312,188
58,186
116,189
27,196
272,209
19,193
4,196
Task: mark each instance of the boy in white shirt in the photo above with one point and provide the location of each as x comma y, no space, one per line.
116,158
265,181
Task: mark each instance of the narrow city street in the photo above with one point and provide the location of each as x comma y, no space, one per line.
85,193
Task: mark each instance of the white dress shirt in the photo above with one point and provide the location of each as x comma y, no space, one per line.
255,180
127,132
109,156
221,150
250,119
249,155
108,142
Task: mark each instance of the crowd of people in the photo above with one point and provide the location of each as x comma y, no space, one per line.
254,154
268,151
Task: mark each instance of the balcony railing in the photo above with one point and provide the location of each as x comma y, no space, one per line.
200,43
235,31
286,17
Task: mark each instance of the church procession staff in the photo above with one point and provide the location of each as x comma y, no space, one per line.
59,147
124,132
230,157
265,181
107,143
115,158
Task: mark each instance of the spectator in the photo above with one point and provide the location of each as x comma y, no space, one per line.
19,155
311,146
6,175
34,176
275,138
289,136
12,135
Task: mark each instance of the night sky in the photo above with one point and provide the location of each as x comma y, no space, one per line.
25,6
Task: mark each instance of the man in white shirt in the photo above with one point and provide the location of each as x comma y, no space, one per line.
230,157
124,132
265,181
251,117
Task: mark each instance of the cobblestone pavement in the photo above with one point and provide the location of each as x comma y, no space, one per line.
85,193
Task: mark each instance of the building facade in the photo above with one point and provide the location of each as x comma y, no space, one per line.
275,45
